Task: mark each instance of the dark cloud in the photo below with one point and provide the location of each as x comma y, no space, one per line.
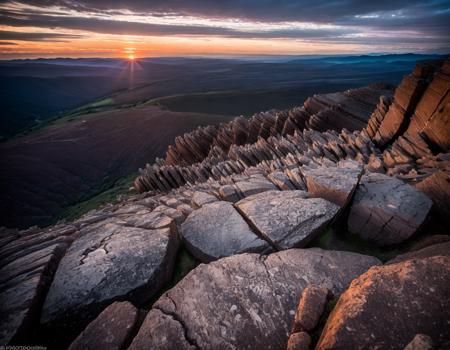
7,43
132,28
10,35
266,10
426,21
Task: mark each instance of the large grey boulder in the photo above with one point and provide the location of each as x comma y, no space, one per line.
217,230
287,218
335,183
109,263
245,301
388,305
386,210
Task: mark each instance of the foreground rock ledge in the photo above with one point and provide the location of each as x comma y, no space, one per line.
387,306
245,301
110,263
287,219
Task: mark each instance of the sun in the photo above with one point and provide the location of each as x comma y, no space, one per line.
131,57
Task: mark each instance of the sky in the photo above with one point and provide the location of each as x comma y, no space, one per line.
148,28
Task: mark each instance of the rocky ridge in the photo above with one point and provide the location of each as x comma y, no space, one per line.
246,198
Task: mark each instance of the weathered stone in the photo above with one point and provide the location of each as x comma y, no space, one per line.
386,210
335,184
199,199
287,218
229,193
107,264
437,187
310,308
249,188
150,220
281,181
112,329
388,305
299,341
244,301
24,281
217,230
432,250
420,342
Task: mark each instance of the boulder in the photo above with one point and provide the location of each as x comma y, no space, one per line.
248,188
420,342
287,219
388,305
112,329
299,341
105,264
386,210
310,308
245,301
437,187
432,250
199,199
217,230
335,184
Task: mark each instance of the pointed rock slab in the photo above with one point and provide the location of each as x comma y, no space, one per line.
217,230
386,210
245,301
287,219
388,305
109,263
335,184
111,330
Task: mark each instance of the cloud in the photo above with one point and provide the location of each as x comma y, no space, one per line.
109,26
24,36
264,10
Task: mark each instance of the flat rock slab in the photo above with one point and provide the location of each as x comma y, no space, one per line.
287,219
388,305
254,186
386,210
246,301
199,199
111,330
217,230
109,263
335,184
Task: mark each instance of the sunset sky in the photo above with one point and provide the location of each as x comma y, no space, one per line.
108,28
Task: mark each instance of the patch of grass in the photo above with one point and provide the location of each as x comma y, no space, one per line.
108,194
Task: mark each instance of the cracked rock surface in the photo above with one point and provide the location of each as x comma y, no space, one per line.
244,301
109,263
217,230
287,219
386,210
415,294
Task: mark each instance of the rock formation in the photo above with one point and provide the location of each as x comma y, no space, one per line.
374,311
248,199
